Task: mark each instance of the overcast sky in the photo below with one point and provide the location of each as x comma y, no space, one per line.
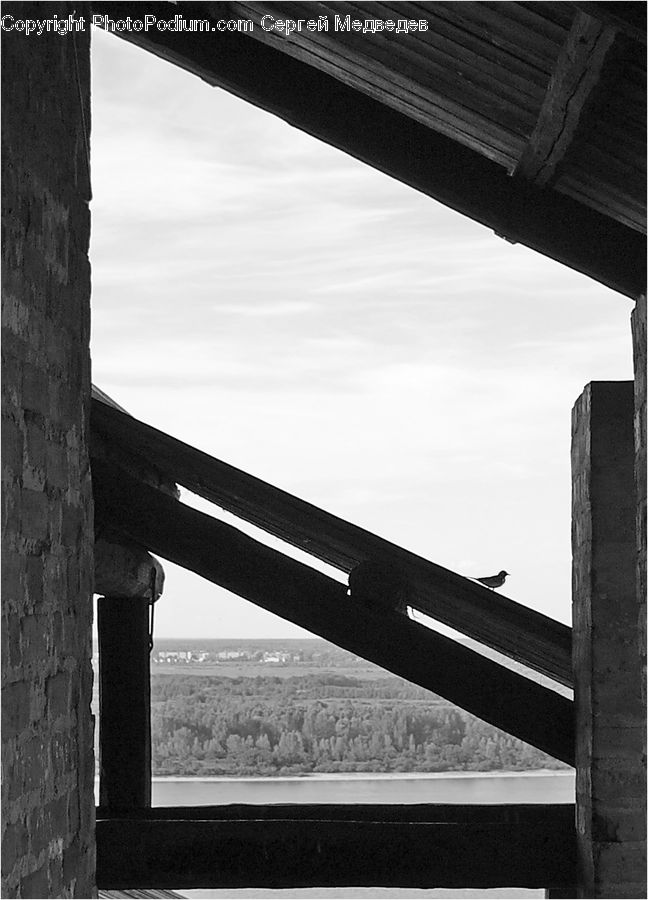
279,305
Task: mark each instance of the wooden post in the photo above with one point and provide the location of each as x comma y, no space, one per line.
639,353
124,702
610,777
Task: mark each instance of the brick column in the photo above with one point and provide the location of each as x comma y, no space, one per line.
47,732
610,713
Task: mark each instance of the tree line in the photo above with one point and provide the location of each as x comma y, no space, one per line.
266,725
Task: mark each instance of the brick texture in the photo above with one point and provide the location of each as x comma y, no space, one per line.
47,740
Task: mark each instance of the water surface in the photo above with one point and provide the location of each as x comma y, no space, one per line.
446,787
443,787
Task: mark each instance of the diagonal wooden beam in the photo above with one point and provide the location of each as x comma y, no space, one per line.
393,143
314,601
522,634
576,75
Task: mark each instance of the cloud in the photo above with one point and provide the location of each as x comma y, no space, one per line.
285,308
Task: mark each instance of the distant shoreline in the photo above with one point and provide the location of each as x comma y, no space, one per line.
368,776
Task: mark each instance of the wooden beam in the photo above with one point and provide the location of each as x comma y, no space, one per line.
204,853
388,140
121,571
575,77
609,647
541,815
124,702
412,77
487,616
296,592
639,354
628,17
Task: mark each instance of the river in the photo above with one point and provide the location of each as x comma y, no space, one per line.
440,787
446,787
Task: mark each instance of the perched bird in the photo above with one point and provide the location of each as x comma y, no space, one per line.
493,581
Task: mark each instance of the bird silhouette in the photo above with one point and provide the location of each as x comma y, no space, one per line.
494,581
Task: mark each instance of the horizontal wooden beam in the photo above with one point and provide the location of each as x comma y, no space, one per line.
388,140
283,853
314,601
542,815
575,76
487,616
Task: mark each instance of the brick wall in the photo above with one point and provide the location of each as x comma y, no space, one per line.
47,755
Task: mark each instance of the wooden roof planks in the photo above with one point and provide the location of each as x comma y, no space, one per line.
452,110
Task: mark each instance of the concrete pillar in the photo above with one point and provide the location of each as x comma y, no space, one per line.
610,709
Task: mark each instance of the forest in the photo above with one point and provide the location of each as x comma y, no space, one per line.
325,722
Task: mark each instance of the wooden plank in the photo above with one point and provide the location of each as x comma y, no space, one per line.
124,702
501,26
359,61
602,196
311,853
575,77
543,815
406,68
497,61
302,595
551,19
486,616
630,18
457,57
619,169
447,19
462,179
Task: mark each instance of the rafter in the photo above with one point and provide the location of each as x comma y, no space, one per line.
522,634
574,80
314,601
